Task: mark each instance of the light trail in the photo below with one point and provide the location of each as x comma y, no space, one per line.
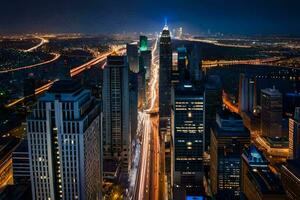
56,56
73,72
42,42
217,43
146,183
77,70
154,78
38,91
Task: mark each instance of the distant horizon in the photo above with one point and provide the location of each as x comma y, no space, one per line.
230,17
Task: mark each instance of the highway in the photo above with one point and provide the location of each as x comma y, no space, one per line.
56,56
147,181
42,42
221,63
73,72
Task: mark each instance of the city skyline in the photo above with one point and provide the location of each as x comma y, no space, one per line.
193,106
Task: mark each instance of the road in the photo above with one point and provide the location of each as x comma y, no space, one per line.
221,63
42,42
147,184
56,56
73,72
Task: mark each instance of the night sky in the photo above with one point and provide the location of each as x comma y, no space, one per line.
196,16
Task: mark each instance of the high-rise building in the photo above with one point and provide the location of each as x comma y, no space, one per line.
247,93
144,76
133,99
133,57
174,71
143,43
116,105
294,135
20,163
64,144
145,62
188,135
290,177
271,112
257,179
228,138
182,63
212,104
165,66
195,65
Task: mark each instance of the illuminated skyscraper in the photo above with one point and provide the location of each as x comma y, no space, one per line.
271,112
294,135
143,43
133,57
64,144
258,181
188,135
116,129
247,93
165,66
195,65
228,138
182,62
212,104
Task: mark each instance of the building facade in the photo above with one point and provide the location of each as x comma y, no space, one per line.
116,105
294,135
64,144
188,137
228,138
258,182
271,112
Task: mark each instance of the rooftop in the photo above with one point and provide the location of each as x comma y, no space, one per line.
254,156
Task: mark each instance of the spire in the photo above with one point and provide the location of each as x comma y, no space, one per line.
166,24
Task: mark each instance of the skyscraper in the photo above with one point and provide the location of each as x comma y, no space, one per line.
144,75
145,62
133,99
212,104
247,93
182,62
271,112
228,138
195,65
20,162
165,66
258,181
188,135
64,144
133,57
116,129
143,43
294,135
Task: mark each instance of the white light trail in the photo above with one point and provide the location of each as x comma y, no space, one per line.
43,41
56,56
145,128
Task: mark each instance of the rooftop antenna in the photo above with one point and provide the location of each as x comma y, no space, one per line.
166,23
